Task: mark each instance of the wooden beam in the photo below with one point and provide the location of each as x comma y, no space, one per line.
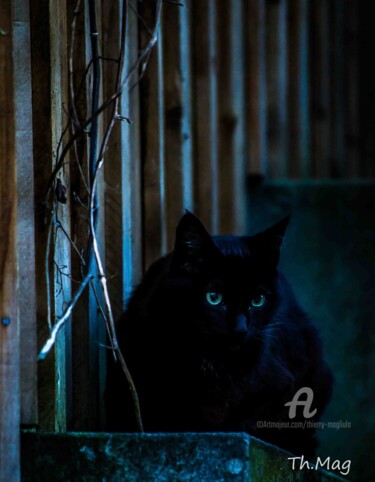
97,331
83,384
62,283
338,65
131,182
320,89
352,90
256,87
121,184
177,104
277,108
49,72
25,214
9,315
231,117
114,158
205,112
298,89
153,144
87,321
367,82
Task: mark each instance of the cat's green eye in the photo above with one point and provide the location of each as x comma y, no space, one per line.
214,298
258,301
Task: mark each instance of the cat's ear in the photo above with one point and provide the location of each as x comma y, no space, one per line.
193,245
266,244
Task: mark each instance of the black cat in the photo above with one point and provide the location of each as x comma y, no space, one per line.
216,341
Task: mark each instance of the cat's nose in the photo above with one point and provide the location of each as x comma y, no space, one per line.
240,326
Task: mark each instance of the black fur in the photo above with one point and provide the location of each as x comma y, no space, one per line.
200,367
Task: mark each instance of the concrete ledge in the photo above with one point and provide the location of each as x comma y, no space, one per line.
212,457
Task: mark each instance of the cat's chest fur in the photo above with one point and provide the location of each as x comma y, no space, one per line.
207,391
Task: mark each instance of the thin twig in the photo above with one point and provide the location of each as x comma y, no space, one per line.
76,123
102,277
75,117
111,322
64,318
92,261
102,311
94,40
142,62
71,242
108,59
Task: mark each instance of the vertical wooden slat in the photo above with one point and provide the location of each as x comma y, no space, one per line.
298,89
112,166
83,381
49,93
122,180
131,170
42,160
277,114
97,332
153,142
337,79
352,89
25,214
367,79
256,86
88,323
238,98
177,98
205,113
58,66
111,23
231,112
320,88
9,319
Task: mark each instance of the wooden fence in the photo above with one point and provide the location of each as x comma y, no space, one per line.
233,90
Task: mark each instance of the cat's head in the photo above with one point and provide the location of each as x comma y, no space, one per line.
226,285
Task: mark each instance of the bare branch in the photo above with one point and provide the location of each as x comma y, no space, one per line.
102,277
64,318
141,63
91,262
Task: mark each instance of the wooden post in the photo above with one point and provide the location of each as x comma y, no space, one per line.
87,321
231,113
298,90
131,207
153,144
122,221
277,112
177,104
367,81
25,214
320,89
256,97
338,62
9,315
352,90
83,382
205,113
49,71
